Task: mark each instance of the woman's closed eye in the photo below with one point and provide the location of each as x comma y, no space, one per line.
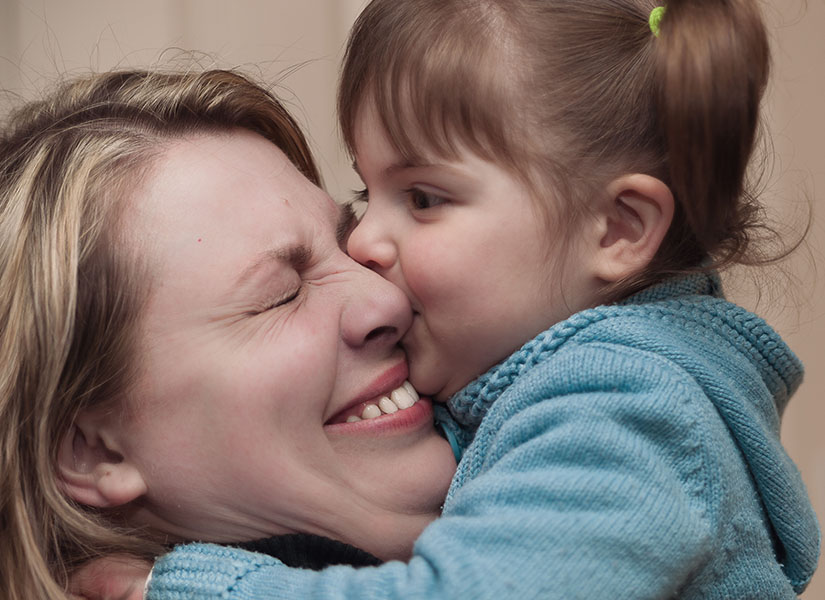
281,301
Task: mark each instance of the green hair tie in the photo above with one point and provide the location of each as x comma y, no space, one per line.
655,19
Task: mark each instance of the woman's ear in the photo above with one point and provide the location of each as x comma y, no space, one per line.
633,219
91,469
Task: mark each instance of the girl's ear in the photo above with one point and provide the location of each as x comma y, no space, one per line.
633,219
91,469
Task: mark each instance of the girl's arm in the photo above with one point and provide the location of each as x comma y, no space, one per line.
599,493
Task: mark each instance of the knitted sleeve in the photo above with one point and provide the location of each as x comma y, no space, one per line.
580,483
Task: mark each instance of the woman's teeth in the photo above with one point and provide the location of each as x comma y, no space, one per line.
400,398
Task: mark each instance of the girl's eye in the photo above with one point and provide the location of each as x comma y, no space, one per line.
421,200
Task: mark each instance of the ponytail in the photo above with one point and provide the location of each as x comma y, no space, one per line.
712,65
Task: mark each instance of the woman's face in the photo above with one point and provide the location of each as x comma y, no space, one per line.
260,337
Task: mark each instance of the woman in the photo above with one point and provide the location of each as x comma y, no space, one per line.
173,285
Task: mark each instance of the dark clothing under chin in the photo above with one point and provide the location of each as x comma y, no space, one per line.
311,551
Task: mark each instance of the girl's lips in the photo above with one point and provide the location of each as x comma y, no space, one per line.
416,416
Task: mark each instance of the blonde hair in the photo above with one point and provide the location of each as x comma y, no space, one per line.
569,94
70,297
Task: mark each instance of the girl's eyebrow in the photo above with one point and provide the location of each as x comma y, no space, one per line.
406,164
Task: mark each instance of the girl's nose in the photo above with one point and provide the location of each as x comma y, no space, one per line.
370,246
377,313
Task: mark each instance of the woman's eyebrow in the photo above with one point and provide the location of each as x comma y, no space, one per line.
346,223
297,256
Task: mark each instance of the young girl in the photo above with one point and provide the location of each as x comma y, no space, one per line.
554,184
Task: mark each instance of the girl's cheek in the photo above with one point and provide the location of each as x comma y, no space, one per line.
427,285
429,272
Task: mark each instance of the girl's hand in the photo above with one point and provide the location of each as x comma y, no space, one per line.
116,577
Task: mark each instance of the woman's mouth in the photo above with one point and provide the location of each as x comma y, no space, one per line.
401,398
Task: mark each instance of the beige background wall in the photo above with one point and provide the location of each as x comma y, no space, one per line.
42,38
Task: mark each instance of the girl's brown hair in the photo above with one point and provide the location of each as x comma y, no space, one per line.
569,94
70,295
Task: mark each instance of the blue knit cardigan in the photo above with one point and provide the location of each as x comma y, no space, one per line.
631,451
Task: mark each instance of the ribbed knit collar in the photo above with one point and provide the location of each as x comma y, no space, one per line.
697,297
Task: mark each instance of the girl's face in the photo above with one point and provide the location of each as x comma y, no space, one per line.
261,336
467,244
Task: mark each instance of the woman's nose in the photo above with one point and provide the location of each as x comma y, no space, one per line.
370,245
377,313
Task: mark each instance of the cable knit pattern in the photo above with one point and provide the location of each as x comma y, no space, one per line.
631,451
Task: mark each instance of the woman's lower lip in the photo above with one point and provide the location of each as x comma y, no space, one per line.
418,415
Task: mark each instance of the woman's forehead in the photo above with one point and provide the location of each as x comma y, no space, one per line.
226,198
211,177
